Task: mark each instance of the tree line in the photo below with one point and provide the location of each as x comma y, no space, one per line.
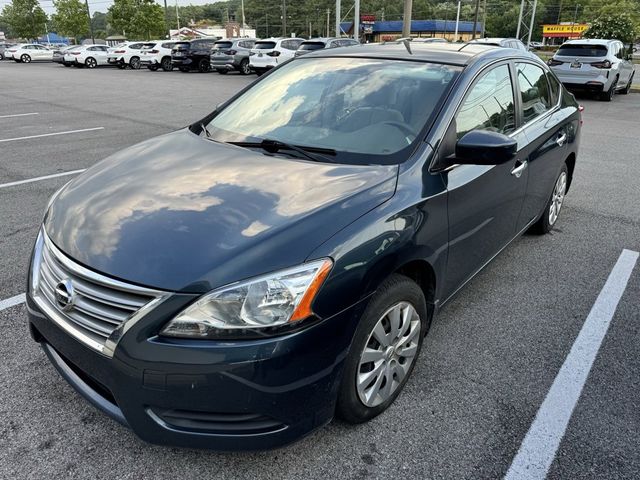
146,19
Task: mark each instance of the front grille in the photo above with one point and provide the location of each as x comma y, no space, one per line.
216,423
88,305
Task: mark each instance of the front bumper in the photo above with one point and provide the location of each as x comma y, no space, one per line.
221,395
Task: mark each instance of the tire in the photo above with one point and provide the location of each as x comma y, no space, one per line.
134,63
355,404
90,62
166,64
608,95
122,65
66,64
25,58
204,66
153,68
244,69
222,71
627,89
259,71
546,222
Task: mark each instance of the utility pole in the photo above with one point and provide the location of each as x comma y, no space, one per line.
328,27
166,19
242,11
284,18
178,18
356,21
93,40
484,17
406,18
575,14
338,30
455,35
267,25
475,21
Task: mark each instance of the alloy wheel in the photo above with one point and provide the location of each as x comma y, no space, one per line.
135,63
91,62
245,69
557,198
25,58
388,354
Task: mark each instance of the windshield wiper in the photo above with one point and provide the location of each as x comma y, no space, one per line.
315,154
204,129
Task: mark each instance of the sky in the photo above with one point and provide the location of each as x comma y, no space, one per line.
103,5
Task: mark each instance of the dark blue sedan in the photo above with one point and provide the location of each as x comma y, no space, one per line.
236,284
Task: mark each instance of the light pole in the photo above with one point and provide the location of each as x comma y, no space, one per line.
338,31
356,21
455,35
406,19
93,40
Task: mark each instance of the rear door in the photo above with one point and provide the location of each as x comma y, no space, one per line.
484,201
547,128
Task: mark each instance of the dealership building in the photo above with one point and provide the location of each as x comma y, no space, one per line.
381,31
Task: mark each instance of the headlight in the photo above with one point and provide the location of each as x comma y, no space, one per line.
271,300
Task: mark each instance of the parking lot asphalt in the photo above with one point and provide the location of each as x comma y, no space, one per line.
487,363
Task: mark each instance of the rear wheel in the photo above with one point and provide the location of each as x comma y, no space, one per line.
245,69
608,95
134,63
627,89
204,66
90,62
25,58
166,64
552,209
384,350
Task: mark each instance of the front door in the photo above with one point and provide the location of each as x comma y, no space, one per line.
484,202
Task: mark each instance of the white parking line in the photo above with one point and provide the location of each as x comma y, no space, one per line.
11,302
541,443
51,134
37,179
19,115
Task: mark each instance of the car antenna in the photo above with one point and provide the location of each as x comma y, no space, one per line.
407,45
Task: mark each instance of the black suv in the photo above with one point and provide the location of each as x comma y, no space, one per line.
193,55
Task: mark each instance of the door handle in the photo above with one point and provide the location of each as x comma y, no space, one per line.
561,139
519,168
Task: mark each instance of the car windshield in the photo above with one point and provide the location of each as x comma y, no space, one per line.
366,110
264,45
582,50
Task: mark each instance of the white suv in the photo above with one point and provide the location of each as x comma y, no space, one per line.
271,52
89,56
127,54
28,52
593,65
157,56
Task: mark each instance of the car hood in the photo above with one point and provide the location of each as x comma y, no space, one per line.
181,213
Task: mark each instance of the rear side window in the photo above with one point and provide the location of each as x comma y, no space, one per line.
265,45
312,46
168,45
555,88
582,50
135,46
534,91
489,104
290,44
223,45
181,45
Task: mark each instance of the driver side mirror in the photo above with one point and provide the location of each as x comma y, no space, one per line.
483,147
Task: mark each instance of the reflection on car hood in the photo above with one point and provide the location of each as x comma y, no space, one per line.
182,213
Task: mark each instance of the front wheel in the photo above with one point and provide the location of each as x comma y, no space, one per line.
166,64
245,68
134,63
384,350
25,58
204,66
552,209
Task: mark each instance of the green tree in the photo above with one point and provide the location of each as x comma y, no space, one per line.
137,19
71,18
614,21
25,18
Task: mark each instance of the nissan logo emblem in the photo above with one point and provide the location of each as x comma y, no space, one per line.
65,295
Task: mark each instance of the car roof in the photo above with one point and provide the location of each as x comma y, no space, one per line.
590,41
461,54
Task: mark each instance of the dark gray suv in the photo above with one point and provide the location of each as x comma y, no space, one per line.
232,54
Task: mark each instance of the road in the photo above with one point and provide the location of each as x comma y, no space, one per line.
487,364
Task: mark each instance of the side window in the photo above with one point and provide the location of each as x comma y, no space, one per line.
295,44
286,44
620,52
534,91
489,105
555,88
